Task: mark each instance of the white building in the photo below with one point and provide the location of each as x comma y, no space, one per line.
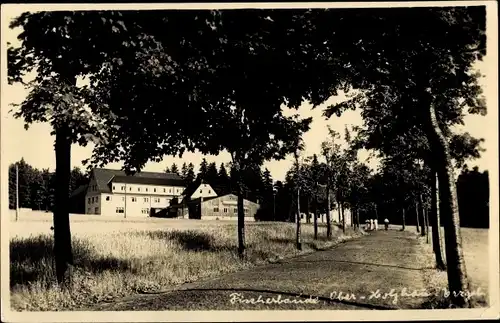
112,192
198,189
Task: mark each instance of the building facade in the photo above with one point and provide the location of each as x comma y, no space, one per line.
112,192
221,208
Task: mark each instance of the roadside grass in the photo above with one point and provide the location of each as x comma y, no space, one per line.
475,247
114,264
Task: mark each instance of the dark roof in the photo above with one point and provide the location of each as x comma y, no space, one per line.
80,189
105,176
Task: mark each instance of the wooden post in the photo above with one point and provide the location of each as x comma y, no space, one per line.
125,208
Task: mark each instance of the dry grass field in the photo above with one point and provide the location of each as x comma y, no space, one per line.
115,257
476,253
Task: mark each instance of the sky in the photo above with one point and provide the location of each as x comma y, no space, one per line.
35,145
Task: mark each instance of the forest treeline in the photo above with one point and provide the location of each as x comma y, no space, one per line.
277,199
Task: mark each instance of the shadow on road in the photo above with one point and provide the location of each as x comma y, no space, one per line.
362,263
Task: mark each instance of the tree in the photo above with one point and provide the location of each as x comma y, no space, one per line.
190,175
329,149
36,189
358,196
267,208
212,175
76,179
27,175
317,177
184,170
203,170
473,198
431,83
299,146
58,47
174,169
223,180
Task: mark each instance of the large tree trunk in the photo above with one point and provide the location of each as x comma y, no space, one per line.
62,233
436,225
457,273
403,228
241,211
416,213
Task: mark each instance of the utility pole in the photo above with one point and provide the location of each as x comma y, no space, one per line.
17,191
125,208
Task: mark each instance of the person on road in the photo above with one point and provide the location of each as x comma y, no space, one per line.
386,224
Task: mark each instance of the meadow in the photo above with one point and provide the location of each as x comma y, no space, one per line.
476,253
115,257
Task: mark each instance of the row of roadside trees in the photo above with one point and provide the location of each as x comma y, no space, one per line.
163,82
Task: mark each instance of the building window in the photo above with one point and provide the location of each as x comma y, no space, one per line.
130,188
96,199
146,199
96,210
157,200
225,210
146,189
246,211
88,202
92,199
123,188
216,209
134,199
154,190
209,191
235,210
170,190
164,190
114,188
120,209
108,198
145,211
138,189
